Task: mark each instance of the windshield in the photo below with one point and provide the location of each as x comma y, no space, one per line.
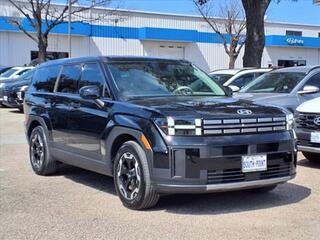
8,73
150,79
274,82
220,78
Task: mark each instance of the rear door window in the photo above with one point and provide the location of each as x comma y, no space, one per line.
44,79
68,82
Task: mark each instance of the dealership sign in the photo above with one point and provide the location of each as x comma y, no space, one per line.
295,41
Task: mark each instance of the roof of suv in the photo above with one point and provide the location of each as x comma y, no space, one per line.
304,69
108,59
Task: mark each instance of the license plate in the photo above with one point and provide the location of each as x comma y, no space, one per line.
5,98
315,137
254,163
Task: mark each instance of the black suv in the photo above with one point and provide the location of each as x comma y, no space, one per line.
13,91
157,126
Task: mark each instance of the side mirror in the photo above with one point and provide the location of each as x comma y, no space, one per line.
228,91
234,88
308,89
90,92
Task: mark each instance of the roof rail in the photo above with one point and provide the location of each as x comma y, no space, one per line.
313,68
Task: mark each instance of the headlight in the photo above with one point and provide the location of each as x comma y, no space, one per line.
290,121
177,127
1,85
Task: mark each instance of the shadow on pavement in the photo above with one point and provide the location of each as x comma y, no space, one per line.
213,203
16,111
309,164
91,179
230,202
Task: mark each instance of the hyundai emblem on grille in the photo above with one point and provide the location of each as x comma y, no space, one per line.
317,121
244,111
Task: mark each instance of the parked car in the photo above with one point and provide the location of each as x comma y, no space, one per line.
13,91
14,72
3,69
287,87
308,129
157,126
237,78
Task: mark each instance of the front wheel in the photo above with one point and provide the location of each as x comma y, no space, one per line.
132,177
314,157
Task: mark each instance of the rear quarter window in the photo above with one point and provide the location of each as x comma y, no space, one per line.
45,78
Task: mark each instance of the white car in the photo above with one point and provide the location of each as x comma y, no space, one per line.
308,129
237,78
14,72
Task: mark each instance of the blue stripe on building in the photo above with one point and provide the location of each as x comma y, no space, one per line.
164,34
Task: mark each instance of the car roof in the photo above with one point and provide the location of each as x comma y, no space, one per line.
108,59
304,69
240,70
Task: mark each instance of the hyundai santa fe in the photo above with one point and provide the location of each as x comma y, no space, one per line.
158,126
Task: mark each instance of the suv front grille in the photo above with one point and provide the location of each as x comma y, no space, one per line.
236,175
307,121
243,125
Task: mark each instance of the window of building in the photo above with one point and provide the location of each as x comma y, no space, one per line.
293,33
50,55
68,82
291,63
44,79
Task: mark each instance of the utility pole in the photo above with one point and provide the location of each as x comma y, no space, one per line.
69,28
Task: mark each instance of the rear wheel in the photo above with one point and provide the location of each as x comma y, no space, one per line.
314,157
41,161
263,189
132,177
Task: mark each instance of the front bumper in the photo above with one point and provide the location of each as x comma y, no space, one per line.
304,143
165,188
210,164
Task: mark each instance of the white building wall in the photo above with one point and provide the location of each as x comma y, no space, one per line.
115,46
271,55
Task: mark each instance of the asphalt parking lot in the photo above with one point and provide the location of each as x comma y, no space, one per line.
77,204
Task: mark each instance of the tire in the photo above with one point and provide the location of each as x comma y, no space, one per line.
41,160
264,189
143,196
313,157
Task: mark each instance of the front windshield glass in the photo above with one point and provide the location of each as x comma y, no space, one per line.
8,73
158,78
274,82
220,78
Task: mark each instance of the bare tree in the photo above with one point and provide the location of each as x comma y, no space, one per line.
230,29
44,15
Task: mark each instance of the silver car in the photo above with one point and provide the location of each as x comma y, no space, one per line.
287,87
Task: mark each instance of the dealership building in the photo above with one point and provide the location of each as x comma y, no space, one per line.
140,33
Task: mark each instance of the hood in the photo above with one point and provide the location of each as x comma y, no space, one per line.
205,107
312,106
11,83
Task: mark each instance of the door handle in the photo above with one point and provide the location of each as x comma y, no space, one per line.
75,105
